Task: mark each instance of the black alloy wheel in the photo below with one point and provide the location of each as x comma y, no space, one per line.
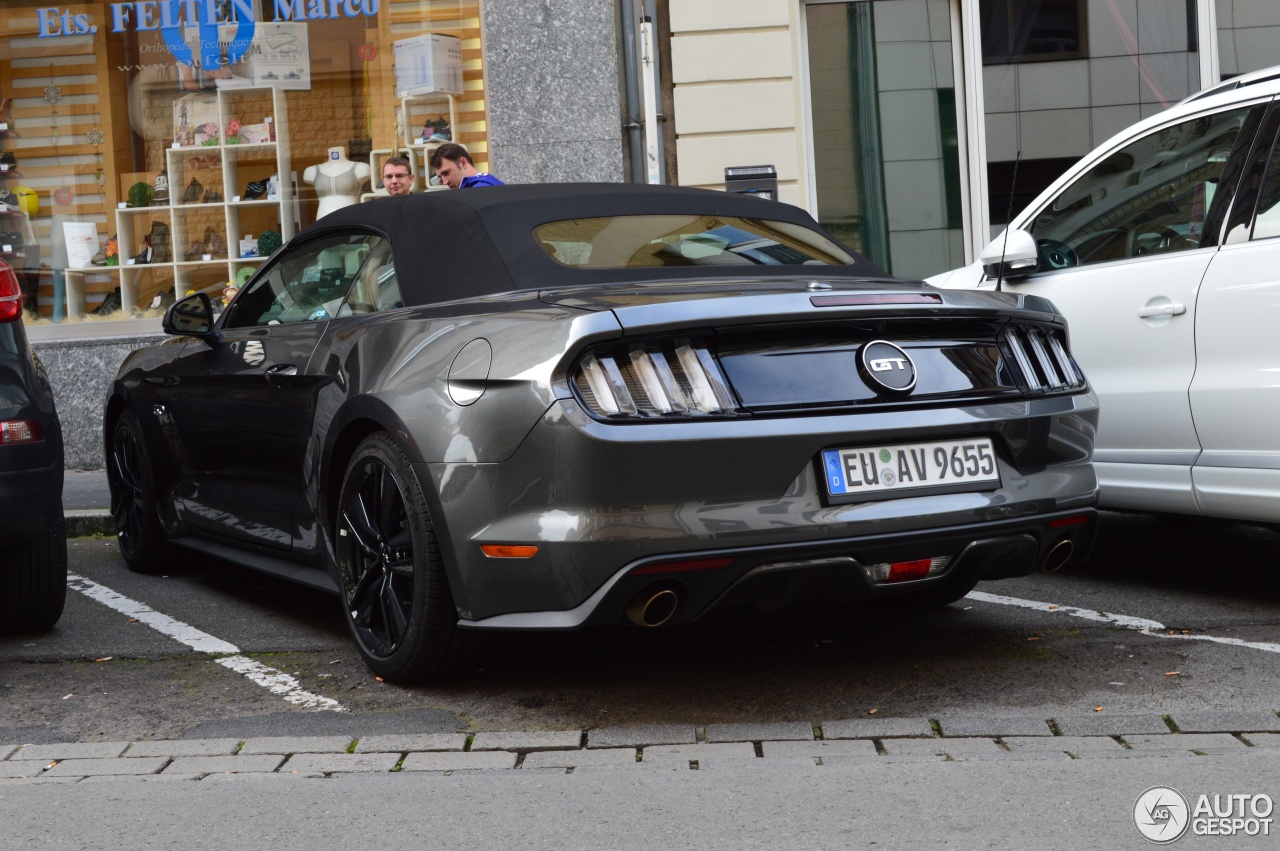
133,498
394,590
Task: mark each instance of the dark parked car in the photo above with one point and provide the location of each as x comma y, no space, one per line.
540,408
33,547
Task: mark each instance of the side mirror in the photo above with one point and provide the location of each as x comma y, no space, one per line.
192,317
1011,255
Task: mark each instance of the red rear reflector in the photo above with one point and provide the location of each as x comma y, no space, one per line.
682,566
854,299
905,571
508,551
20,431
10,294
1067,521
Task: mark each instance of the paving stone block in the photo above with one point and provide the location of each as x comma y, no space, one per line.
575,759
686,753
297,744
1262,721
263,777
801,764
647,767
342,763
6,750
1102,724
798,731
1011,756
1068,744
71,750
449,761
641,736
874,727
838,761
253,763
982,725
951,747
184,747
419,742
1185,742
87,767
25,768
544,741
163,777
824,749
1258,740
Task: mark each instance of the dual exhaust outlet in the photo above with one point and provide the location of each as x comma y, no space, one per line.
656,606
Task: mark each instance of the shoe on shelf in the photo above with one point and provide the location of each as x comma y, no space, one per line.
8,162
7,129
110,304
211,197
192,193
159,240
147,252
99,259
194,252
215,244
10,201
161,195
255,190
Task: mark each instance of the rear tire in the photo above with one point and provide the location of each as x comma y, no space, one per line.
133,499
394,589
33,581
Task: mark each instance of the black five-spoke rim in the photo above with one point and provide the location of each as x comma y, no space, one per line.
376,551
127,499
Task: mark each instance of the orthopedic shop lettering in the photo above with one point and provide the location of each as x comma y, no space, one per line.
169,17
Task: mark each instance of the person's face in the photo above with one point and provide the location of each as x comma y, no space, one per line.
451,172
397,179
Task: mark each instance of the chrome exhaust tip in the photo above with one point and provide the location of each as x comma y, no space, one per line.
1059,554
651,608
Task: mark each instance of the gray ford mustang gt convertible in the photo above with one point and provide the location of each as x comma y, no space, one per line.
548,407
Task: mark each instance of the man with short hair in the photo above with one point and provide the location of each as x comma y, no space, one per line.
397,176
452,164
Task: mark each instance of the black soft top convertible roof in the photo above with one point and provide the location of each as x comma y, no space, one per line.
476,242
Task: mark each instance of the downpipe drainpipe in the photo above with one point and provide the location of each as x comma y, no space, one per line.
631,89
654,119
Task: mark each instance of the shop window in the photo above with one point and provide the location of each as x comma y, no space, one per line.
1032,30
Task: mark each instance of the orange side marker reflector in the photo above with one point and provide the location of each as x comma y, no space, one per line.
508,551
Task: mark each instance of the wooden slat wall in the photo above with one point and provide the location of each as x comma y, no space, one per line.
405,18
80,66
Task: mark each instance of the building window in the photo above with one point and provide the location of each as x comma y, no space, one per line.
1032,30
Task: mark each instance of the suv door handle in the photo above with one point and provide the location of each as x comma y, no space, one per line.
1161,310
280,371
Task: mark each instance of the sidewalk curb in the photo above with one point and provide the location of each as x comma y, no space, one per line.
89,522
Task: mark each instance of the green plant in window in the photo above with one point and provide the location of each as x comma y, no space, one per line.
269,242
140,195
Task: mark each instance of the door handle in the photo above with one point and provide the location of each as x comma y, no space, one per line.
280,371
1161,310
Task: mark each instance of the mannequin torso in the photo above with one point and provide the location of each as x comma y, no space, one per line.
337,181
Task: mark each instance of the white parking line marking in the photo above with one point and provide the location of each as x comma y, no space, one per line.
1142,625
277,682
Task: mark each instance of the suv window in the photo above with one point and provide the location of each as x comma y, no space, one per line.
308,283
1149,197
1267,222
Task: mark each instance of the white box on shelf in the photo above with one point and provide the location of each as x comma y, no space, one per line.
248,246
428,63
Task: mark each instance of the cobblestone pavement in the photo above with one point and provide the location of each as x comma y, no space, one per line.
670,747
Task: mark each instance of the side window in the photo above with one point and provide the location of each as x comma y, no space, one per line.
1267,223
1150,197
306,283
376,287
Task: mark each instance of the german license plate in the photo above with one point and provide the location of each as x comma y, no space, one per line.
878,470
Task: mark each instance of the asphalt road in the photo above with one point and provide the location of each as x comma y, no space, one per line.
102,675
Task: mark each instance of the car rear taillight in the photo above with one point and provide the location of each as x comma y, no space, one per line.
20,431
677,379
10,294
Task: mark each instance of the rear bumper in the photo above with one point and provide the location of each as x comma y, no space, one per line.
600,500
29,500
830,570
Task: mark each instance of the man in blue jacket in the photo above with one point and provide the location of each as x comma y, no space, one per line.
452,164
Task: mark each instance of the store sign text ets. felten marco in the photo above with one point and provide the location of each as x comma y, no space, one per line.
145,15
